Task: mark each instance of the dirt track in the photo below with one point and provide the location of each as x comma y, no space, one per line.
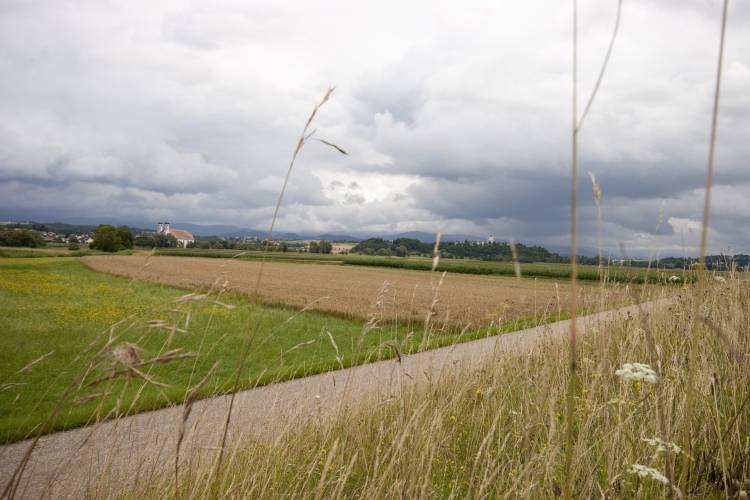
353,290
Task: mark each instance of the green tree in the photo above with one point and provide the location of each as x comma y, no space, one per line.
144,241
325,246
21,238
314,247
107,239
126,236
165,241
401,251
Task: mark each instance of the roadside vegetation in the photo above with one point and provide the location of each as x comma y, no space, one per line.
661,411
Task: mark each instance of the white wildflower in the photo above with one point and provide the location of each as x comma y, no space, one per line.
720,279
637,372
644,472
674,278
662,446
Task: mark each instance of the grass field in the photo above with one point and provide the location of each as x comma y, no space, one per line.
52,251
59,306
463,266
60,311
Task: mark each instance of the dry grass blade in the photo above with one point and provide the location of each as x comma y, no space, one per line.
158,323
570,396
704,226
712,140
514,257
395,350
307,307
191,297
576,126
297,346
335,348
190,400
224,305
37,360
246,341
436,251
597,190
129,355
11,385
333,146
603,67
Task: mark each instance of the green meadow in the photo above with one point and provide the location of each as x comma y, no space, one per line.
69,330
68,319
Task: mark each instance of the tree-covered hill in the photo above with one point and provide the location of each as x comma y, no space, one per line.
497,251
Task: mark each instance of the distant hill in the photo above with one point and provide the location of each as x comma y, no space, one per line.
425,237
208,230
62,227
228,231
336,237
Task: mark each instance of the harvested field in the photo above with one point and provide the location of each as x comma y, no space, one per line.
354,291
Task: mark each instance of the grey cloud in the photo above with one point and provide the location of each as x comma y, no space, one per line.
354,199
145,111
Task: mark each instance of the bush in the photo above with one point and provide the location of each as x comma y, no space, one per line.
21,238
107,238
74,246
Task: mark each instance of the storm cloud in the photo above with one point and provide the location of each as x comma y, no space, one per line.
451,115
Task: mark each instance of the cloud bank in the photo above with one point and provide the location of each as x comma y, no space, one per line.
190,111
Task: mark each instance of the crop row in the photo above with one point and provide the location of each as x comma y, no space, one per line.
463,266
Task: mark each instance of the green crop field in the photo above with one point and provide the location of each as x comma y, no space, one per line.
59,313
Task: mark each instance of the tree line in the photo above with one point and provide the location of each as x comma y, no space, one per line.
497,251
20,238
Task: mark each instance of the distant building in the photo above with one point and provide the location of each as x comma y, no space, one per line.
184,238
491,239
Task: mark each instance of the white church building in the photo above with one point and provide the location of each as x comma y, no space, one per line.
184,238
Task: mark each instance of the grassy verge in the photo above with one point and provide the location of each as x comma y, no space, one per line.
497,430
60,311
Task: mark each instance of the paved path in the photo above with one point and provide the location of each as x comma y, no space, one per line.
132,449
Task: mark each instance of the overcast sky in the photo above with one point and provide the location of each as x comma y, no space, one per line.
450,111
